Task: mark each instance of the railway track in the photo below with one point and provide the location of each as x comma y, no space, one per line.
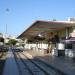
27,67
33,66
51,70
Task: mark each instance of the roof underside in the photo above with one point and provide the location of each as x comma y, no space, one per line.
44,27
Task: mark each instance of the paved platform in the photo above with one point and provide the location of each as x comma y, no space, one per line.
10,65
64,64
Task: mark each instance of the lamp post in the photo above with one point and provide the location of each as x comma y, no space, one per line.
6,27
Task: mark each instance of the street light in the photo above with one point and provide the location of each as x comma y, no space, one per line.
7,10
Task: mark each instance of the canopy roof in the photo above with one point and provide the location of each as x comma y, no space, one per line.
45,26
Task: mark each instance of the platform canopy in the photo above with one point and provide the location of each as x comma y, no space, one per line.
44,27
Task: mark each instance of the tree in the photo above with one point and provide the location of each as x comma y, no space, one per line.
1,39
12,42
0,33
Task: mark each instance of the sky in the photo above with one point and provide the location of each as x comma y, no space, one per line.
22,13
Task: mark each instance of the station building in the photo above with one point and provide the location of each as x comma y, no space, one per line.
37,36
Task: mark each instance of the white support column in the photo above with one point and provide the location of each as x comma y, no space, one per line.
67,33
25,42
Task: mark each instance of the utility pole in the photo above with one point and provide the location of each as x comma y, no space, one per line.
6,27
6,30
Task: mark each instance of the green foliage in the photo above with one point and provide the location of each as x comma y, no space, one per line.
12,42
7,44
1,39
